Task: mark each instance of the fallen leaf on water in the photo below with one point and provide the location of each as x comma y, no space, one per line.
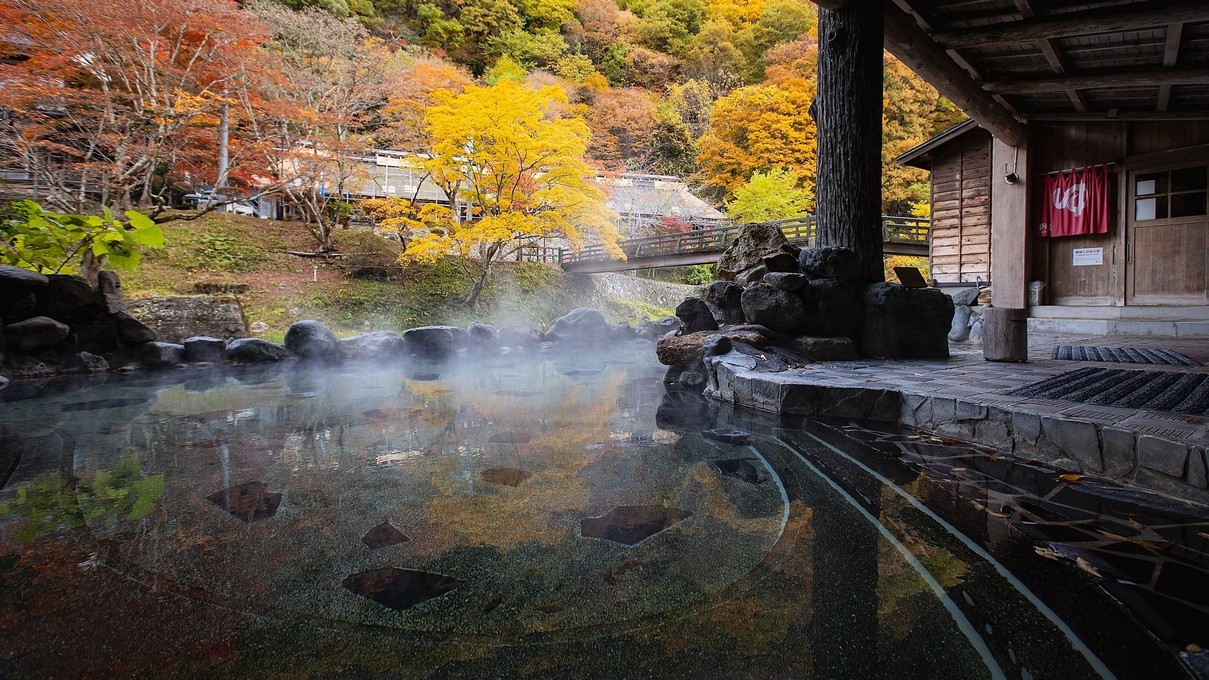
1069,478
1193,648
1202,534
1088,567
957,469
1046,553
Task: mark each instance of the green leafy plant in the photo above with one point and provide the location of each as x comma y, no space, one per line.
700,275
66,243
53,502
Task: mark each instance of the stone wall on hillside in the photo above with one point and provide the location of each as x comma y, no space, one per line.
628,287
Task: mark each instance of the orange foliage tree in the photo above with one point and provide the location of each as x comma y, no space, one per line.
105,105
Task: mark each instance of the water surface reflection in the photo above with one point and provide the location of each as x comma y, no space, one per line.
543,518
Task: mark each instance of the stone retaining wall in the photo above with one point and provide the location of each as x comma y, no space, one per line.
1171,466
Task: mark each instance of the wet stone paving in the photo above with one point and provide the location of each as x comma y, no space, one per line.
557,518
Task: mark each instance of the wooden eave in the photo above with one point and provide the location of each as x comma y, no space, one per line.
923,155
1009,62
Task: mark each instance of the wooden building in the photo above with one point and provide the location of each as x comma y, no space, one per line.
1054,87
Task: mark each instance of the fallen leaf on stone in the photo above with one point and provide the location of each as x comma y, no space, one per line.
1069,478
958,469
993,456
1193,648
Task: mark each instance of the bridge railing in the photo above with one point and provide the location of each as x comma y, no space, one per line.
799,230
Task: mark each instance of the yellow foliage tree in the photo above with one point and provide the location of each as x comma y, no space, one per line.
756,129
512,160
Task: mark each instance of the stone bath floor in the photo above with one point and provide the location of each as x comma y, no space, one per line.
966,397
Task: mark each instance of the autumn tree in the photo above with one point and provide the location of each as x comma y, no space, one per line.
912,112
107,104
772,195
756,129
410,96
622,122
334,81
515,169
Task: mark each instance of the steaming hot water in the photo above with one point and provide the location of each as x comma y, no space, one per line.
533,517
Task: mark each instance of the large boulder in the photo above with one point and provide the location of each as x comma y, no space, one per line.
653,330
435,342
583,326
695,314
519,336
724,299
830,262
752,243
905,323
37,333
483,335
18,293
835,308
109,288
131,330
779,310
687,350
71,300
381,345
256,350
959,330
160,354
312,341
201,348
178,317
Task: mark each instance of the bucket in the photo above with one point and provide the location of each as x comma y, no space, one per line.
1036,293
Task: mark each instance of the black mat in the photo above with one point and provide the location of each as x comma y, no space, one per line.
1173,391
1123,355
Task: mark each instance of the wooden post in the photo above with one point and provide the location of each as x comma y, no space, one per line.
848,114
1005,325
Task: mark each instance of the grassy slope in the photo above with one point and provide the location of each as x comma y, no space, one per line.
221,251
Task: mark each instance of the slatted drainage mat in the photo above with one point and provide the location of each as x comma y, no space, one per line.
1174,391
1123,355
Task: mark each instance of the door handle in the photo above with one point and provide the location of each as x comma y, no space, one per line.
1129,253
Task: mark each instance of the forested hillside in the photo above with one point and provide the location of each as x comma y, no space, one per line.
140,106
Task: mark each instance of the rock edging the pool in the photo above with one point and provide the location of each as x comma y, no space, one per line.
59,324
1171,466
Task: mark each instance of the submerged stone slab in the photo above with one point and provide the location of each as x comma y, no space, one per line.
249,502
399,589
742,469
383,536
506,476
632,524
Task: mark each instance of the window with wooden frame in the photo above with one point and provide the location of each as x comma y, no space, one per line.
1167,194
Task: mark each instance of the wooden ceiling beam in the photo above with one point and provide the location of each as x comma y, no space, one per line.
1025,7
1077,100
1096,81
1171,52
1127,18
1049,48
916,49
1164,98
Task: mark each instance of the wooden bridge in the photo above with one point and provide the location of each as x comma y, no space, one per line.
900,236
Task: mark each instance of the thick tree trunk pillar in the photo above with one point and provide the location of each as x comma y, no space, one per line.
848,114
1005,334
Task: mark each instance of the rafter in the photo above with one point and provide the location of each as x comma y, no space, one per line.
1129,18
916,49
1057,62
1150,77
1025,8
1171,51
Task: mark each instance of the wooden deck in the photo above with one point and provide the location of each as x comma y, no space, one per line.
900,236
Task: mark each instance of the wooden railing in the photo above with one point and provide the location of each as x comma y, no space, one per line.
798,230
